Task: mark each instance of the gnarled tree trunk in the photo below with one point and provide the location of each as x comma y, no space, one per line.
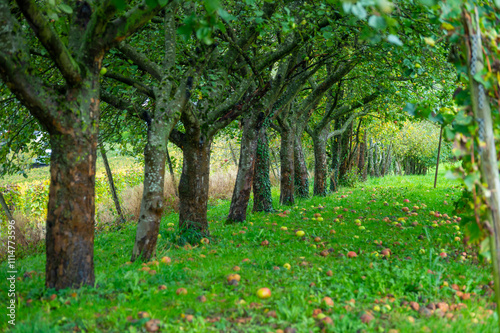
343,165
362,162
287,169
71,209
262,199
153,201
244,178
320,164
194,183
301,176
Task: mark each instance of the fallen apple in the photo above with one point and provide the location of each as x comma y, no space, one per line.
351,254
300,233
263,293
232,277
166,260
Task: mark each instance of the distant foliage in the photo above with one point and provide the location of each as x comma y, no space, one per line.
414,144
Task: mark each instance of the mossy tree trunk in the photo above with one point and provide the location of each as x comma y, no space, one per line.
320,162
262,198
362,160
244,178
301,175
194,184
287,168
153,201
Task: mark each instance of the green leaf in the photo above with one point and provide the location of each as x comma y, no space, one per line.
119,4
470,180
184,30
394,40
225,15
65,8
410,108
485,249
377,22
152,3
359,11
212,5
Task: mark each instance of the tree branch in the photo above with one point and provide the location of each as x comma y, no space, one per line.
141,60
177,138
123,104
142,88
48,37
122,27
349,120
29,90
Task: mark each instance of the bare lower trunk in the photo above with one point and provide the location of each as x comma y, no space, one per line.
376,158
344,151
333,164
287,169
111,182
361,162
371,164
193,186
244,178
320,165
262,199
153,201
71,210
388,160
301,176
382,160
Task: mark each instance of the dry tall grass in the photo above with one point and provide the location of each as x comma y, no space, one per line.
34,234
220,188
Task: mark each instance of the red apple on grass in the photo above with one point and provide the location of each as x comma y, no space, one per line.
263,293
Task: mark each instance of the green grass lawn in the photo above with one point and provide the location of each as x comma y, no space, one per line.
368,286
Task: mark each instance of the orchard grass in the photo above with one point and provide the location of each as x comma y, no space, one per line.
373,284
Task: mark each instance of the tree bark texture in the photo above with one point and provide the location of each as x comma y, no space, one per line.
71,210
194,184
371,164
376,158
244,178
320,163
362,161
153,201
301,176
287,168
343,164
262,198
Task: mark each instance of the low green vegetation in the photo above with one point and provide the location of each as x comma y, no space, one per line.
362,264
